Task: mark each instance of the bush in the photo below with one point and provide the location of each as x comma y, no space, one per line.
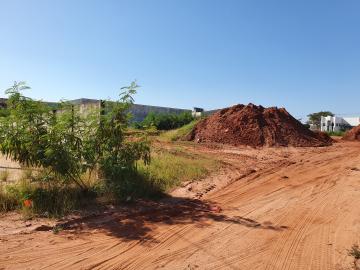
70,143
162,121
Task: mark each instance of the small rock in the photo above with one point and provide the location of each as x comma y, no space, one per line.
215,208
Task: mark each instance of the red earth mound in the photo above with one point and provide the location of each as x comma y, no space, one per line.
353,134
256,126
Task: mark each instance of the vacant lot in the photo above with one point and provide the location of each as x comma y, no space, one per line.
272,208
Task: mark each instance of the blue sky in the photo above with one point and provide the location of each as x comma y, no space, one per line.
300,54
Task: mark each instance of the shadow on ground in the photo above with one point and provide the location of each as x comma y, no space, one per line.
138,220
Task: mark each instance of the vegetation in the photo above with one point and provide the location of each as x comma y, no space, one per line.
177,134
77,159
38,198
315,118
69,145
336,133
355,253
8,201
163,121
169,168
4,175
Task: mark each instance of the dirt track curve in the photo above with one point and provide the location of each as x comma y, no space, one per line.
296,209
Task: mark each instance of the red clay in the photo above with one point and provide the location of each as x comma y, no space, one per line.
353,134
256,126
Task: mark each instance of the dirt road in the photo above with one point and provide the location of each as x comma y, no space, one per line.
282,208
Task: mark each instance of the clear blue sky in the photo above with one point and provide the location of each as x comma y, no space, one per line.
301,54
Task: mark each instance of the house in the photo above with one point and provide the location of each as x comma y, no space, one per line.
336,123
197,112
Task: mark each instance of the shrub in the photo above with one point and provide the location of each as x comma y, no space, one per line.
70,143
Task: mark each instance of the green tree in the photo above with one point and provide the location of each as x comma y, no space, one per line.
69,143
315,118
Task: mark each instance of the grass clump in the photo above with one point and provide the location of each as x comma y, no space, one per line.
336,133
169,168
4,176
178,134
355,252
33,198
8,201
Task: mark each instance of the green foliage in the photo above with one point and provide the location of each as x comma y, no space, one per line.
336,133
180,133
4,112
169,168
315,118
8,202
163,121
51,201
69,143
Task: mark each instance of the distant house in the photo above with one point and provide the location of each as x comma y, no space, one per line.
197,112
336,123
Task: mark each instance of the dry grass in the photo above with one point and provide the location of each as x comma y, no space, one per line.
169,168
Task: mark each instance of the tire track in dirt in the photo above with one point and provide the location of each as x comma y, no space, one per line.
315,201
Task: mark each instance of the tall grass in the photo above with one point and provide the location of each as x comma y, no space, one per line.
4,176
169,168
336,133
180,133
34,198
8,202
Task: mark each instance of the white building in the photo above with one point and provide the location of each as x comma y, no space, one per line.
336,123
197,112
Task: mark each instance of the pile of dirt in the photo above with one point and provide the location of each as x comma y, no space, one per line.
256,126
324,137
352,134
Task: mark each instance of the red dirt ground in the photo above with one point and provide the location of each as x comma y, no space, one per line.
256,126
353,134
281,208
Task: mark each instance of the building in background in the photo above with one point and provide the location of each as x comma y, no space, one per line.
138,111
336,123
197,112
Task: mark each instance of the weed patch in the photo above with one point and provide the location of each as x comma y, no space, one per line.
178,134
169,168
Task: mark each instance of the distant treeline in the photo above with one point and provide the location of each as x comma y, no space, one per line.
165,121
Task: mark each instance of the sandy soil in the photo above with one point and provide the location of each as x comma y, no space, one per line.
282,208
